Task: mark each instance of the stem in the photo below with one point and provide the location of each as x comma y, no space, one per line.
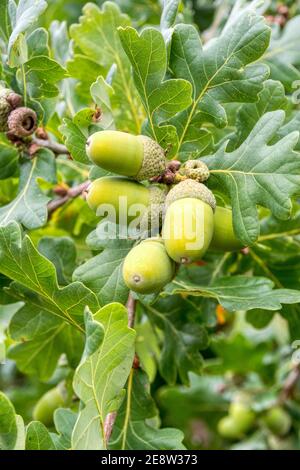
71,194
111,417
108,426
128,408
290,384
57,148
265,268
131,305
24,85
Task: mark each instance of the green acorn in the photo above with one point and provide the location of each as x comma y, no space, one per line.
134,197
224,238
48,403
278,421
189,221
139,157
147,267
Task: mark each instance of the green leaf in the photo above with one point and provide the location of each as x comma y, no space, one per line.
271,98
26,13
218,72
30,206
183,338
62,253
103,273
41,75
37,43
250,355
102,93
75,134
8,158
258,173
96,37
21,262
64,421
8,424
5,26
168,18
161,98
283,55
38,437
240,293
102,374
41,337
131,429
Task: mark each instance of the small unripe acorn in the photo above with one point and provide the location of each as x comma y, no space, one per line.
124,193
243,415
224,238
139,157
229,429
48,403
189,220
278,421
147,267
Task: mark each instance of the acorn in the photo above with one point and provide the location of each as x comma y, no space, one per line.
224,238
48,403
278,421
139,157
130,199
147,268
189,221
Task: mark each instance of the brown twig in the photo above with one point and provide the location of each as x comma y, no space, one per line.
290,384
58,149
111,417
108,426
131,304
71,194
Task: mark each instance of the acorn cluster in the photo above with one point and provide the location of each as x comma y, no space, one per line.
171,194
242,419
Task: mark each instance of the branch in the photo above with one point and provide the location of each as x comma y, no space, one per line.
72,193
290,384
111,417
58,149
131,304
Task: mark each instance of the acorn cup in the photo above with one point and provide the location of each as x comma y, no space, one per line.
8,102
147,268
138,157
189,221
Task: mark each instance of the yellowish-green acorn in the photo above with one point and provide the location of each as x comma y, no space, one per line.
243,415
278,421
239,421
147,267
229,429
224,238
48,403
139,157
121,192
189,221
